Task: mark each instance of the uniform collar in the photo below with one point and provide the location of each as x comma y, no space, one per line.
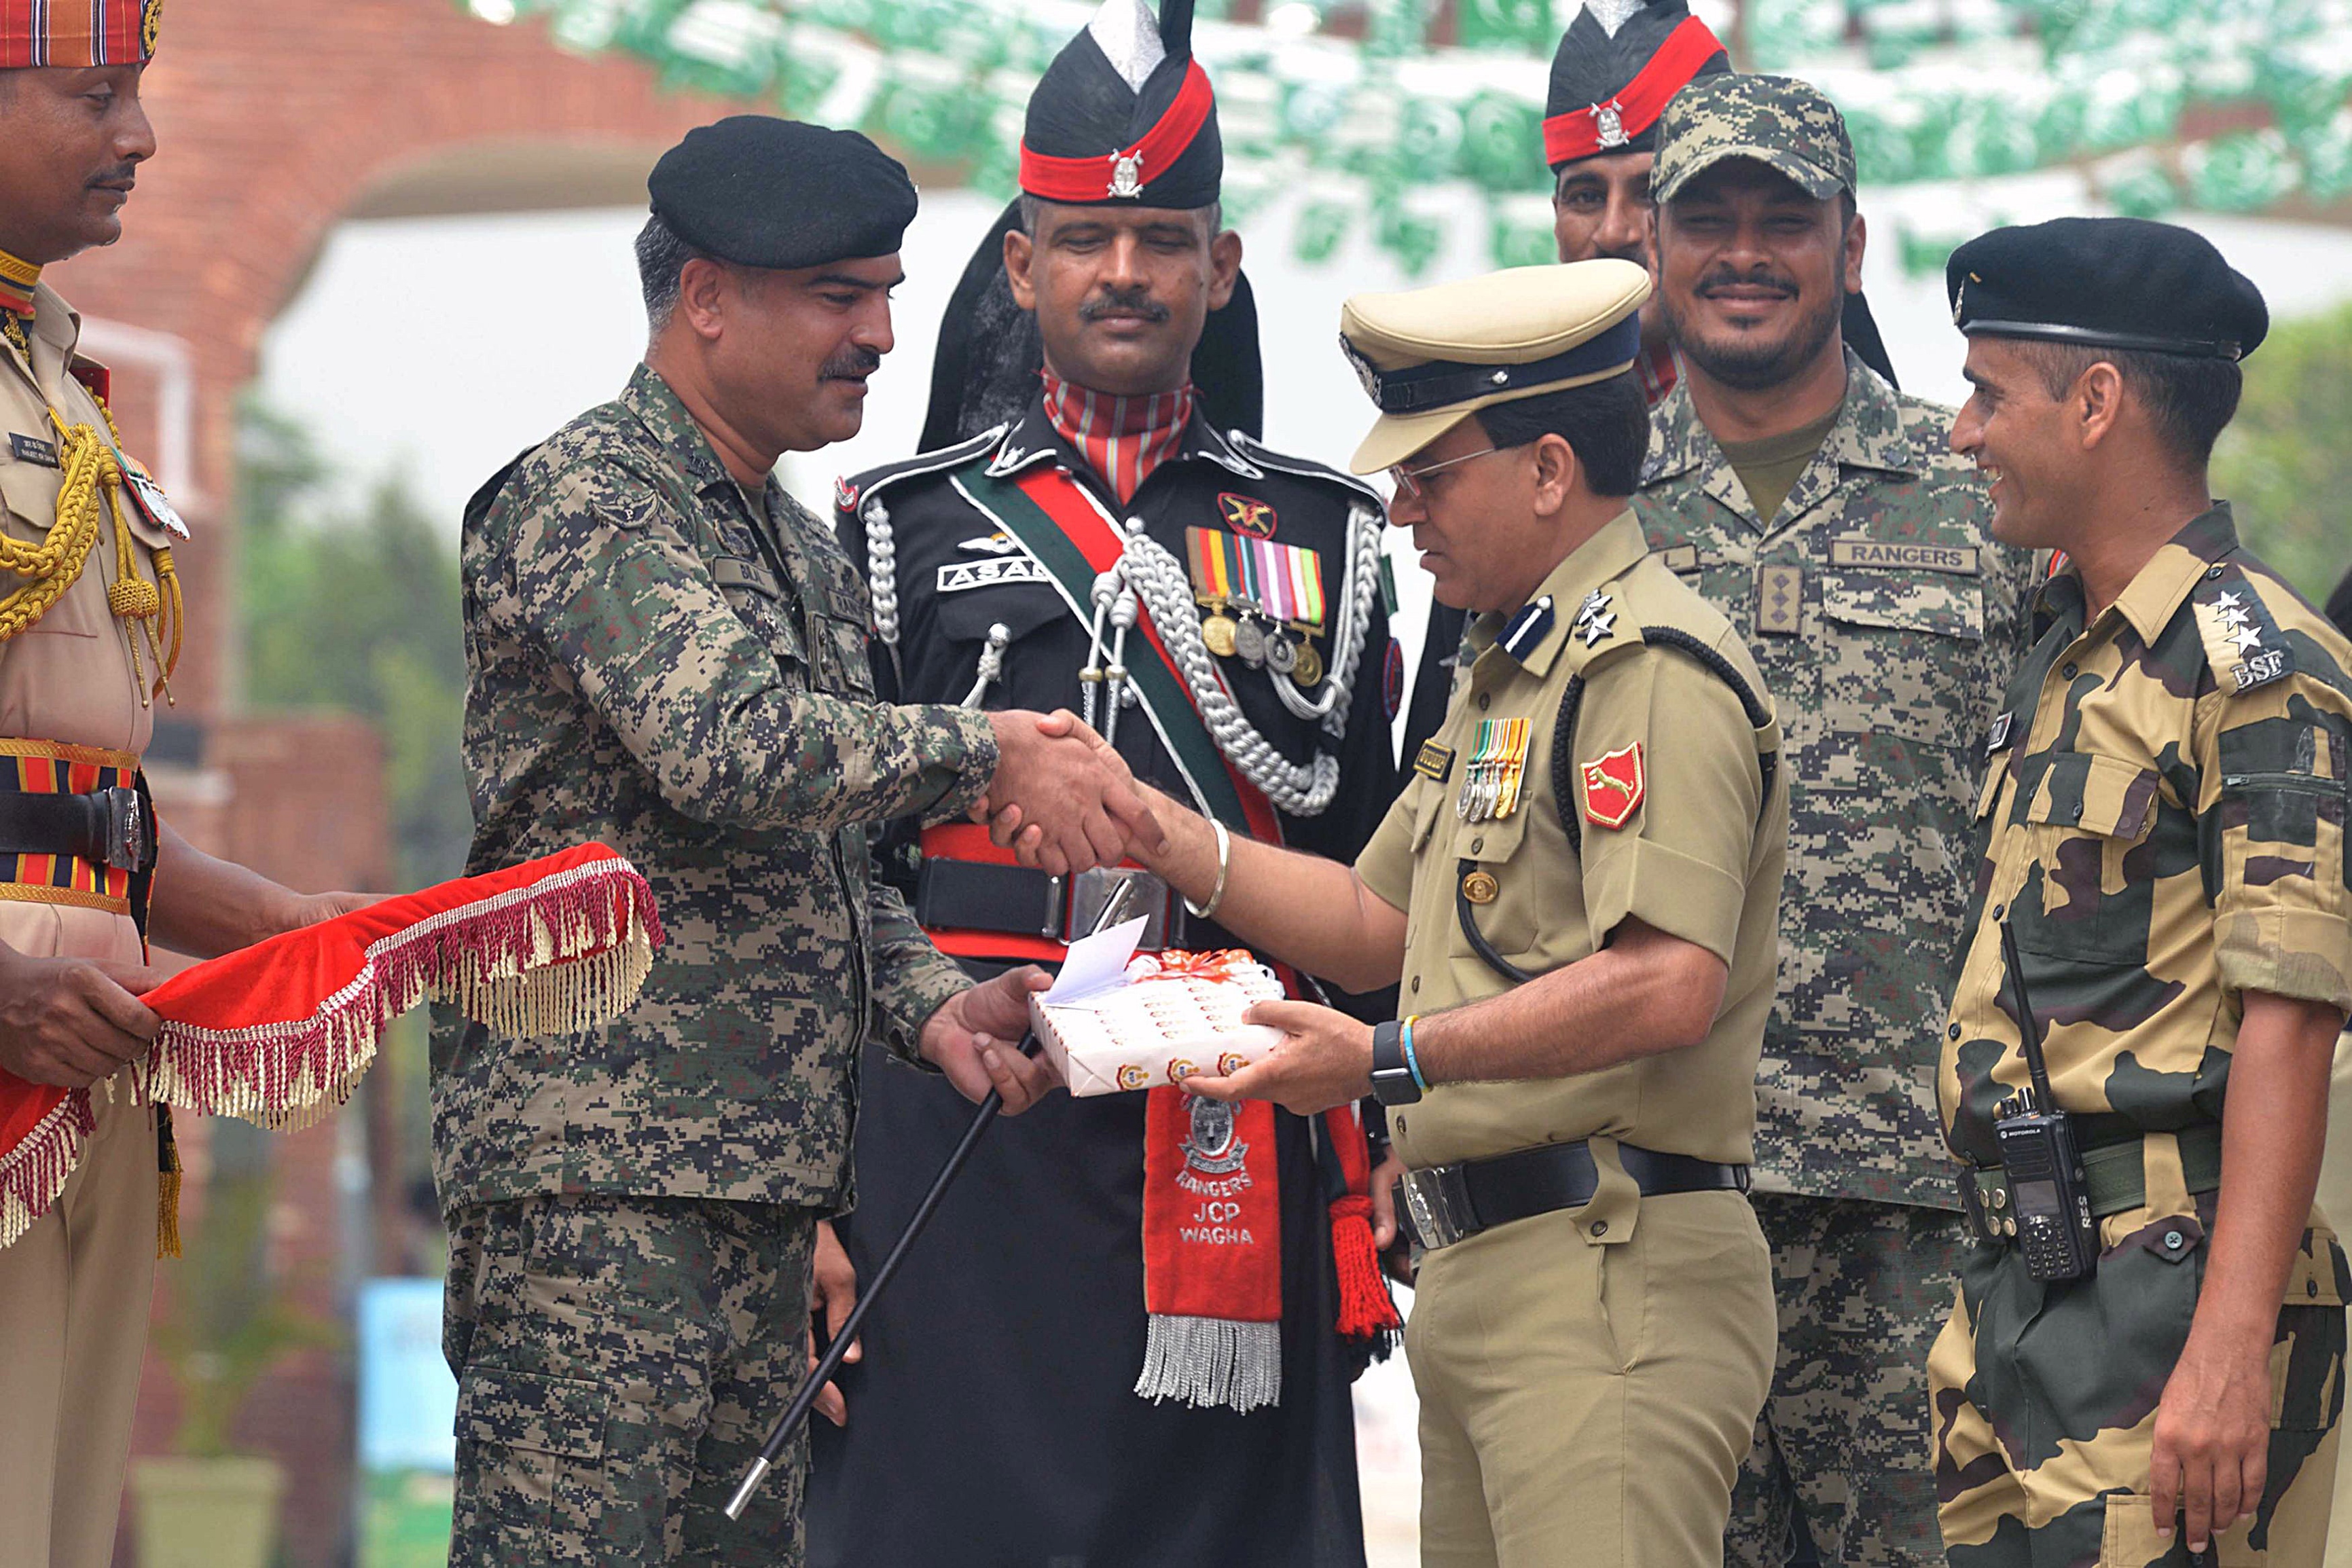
1535,633
55,322
664,414
1868,433
2155,593
1032,439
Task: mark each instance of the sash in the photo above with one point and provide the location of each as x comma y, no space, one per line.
1212,1225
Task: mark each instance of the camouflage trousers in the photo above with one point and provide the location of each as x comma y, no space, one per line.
1861,1289
2045,1400
618,1360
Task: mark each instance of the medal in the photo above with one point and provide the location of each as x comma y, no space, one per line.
1249,641
1218,632
1308,672
1282,652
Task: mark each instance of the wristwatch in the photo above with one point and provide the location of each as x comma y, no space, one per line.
1392,1081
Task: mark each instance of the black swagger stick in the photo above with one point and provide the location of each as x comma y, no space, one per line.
797,1413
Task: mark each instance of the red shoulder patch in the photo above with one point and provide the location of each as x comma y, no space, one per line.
1246,514
1614,786
844,494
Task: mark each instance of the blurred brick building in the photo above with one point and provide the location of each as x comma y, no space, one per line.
278,120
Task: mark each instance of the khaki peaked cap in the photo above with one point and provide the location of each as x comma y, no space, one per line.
1431,357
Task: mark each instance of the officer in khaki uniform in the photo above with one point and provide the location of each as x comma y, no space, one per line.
1578,890
2146,1357
90,614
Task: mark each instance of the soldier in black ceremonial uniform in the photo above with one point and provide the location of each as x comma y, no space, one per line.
1098,529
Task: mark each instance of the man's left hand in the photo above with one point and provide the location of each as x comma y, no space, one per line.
975,1039
2210,1457
1324,1058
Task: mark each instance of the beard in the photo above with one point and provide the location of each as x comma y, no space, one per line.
1739,361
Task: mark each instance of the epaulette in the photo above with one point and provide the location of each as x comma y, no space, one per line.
1257,451
1600,627
2243,641
849,491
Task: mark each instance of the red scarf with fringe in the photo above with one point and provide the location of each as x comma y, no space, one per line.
279,1032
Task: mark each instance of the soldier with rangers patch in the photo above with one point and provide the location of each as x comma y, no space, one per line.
1100,529
1578,890
1618,64
1817,507
2145,1358
666,653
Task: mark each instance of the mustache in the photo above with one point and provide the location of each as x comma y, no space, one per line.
124,174
1131,302
850,364
1759,278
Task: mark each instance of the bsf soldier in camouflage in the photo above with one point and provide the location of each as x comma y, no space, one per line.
1818,509
668,653
2162,827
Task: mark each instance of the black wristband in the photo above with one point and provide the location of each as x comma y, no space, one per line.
1392,1083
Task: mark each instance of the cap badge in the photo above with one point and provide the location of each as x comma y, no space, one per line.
151,27
1609,123
1126,174
1365,373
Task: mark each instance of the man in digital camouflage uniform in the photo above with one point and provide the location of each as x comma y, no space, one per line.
1818,510
1618,64
668,653
2161,829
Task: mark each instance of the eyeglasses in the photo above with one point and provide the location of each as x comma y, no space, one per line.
1407,480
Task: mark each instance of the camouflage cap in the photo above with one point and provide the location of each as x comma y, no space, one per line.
1778,121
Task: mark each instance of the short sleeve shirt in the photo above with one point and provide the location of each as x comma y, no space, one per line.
1674,823
2163,823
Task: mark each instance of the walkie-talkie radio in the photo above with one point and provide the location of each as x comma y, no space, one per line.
2049,1195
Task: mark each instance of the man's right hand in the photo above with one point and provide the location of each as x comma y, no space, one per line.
1074,787
72,1021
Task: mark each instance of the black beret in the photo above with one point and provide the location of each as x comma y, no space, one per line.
2109,283
763,192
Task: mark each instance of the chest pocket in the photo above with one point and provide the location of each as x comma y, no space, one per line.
1021,608
2088,814
1509,918
1899,654
841,629
29,491
752,596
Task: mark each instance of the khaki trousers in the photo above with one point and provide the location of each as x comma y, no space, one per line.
1585,1401
74,1292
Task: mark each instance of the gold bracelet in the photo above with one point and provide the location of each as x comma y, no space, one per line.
1225,868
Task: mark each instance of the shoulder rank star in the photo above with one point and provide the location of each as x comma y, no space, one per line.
1594,619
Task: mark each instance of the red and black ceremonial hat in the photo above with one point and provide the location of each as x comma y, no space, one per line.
1616,66
78,32
1125,114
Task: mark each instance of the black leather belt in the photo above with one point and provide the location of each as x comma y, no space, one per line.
106,827
1446,1204
975,896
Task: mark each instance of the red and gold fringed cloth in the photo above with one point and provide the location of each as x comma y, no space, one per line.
279,1032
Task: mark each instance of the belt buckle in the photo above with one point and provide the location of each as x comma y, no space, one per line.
1092,891
127,833
1438,1199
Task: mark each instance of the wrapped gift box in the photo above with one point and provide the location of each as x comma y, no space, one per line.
1154,1020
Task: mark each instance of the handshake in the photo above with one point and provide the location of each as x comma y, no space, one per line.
1063,798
